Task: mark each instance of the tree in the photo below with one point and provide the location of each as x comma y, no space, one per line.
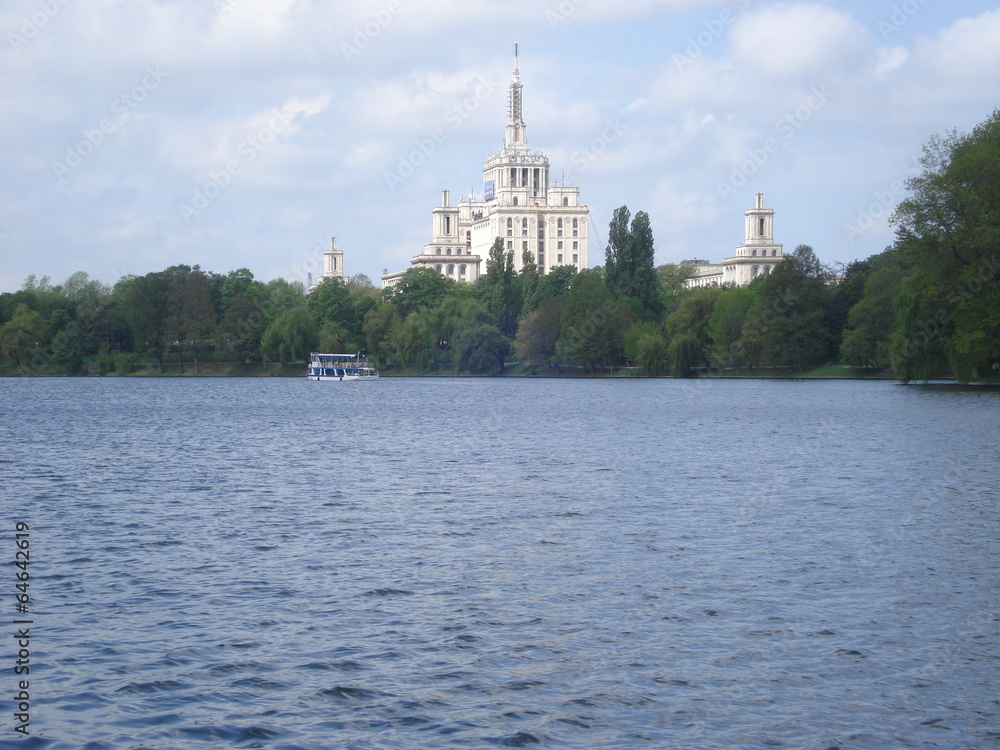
871,321
21,336
145,301
788,323
496,288
688,330
529,281
481,350
331,302
378,327
725,325
194,320
949,232
629,268
593,323
538,334
418,289
242,327
646,347
291,337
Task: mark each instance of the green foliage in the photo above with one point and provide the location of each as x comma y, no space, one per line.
538,334
291,337
242,327
419,289
593,323
871,320
725,325
788,323
949,232
22,335
481,350
688,329
497,289
646,347
629,269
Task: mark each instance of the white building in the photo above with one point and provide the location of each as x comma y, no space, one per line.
518,204
757,256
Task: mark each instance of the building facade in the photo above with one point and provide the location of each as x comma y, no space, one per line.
757,256
519,204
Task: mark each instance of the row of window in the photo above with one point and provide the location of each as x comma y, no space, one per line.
541,245
451,269
458,251
763,253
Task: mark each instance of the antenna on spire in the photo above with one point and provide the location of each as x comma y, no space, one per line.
516,71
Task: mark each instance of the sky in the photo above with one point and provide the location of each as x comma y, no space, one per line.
141,134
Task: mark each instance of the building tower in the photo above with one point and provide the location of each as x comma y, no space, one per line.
333,261
518,205
749,261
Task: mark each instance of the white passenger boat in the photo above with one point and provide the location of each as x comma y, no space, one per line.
340,367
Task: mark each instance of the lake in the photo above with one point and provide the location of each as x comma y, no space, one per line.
434,563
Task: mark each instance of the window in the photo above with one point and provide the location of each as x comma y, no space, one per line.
515,200
437,251
559,258
447,225
565,201
448,252
576,245
576,258
767,270
774,253
461,270
451,270
524,245
510,227
761,226
510,244
559,245
438,268
754,253
754,272
576,233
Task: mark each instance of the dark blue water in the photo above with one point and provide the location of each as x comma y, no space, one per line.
431,563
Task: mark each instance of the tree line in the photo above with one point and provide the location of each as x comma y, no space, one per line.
926,306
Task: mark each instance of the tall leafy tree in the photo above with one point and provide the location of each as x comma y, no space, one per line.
629,267
949,231
22,335
146,303
242,327
538,334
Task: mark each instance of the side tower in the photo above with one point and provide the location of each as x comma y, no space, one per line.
333,261
759,254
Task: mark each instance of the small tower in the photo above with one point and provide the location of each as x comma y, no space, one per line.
333,261
759,253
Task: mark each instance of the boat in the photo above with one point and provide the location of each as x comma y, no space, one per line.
340,367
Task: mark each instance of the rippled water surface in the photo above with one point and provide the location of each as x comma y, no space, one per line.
431,563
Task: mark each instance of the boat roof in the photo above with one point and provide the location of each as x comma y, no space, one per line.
357,355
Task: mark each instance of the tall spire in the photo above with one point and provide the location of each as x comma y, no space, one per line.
515,121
